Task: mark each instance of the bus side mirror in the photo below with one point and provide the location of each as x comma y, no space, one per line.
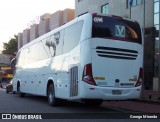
13,63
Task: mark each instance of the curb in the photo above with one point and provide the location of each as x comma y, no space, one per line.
149,101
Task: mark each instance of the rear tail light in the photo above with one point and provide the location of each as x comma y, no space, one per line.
94,14
140,78
87,75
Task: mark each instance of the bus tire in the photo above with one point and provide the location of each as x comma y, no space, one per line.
19,91
52,100
7,91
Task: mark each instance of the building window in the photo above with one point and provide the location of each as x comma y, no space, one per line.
156,7
134,3
105,9
156,0
156,19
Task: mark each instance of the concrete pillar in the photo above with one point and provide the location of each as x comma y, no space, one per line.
34,32
20,40
68,15
56,20
26,36
44,24
149,47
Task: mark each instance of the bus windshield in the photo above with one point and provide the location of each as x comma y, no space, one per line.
116,28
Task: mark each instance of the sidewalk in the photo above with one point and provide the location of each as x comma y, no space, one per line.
149,94
149,103
134,106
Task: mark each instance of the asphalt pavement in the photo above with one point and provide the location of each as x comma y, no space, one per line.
145,105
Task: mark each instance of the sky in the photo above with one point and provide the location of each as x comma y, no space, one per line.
16,14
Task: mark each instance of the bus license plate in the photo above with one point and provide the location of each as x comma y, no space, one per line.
116,92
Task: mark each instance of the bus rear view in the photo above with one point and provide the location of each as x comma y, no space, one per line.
115,68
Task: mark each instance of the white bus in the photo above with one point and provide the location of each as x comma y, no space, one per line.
92,58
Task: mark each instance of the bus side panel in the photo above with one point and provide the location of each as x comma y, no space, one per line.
16,79
74,63
62,90
85,58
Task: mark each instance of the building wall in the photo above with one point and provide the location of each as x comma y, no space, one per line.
118,7
56,20
26,36
157,45
44,24
47,23
34,32
68,15
88,6
20,40
59,18
137,12
148,65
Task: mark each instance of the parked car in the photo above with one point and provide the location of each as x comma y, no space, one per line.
9,87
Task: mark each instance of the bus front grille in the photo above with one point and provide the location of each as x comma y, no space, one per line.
118,53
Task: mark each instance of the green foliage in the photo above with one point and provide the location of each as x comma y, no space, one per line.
11,47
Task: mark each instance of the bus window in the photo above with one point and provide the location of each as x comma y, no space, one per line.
42,54
46,47
59,41
21,58
116,28
52,45
34,53
72,36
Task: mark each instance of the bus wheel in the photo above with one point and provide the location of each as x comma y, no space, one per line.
19,91
51,95
7,91
93,102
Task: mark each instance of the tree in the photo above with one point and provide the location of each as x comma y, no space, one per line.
11,47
